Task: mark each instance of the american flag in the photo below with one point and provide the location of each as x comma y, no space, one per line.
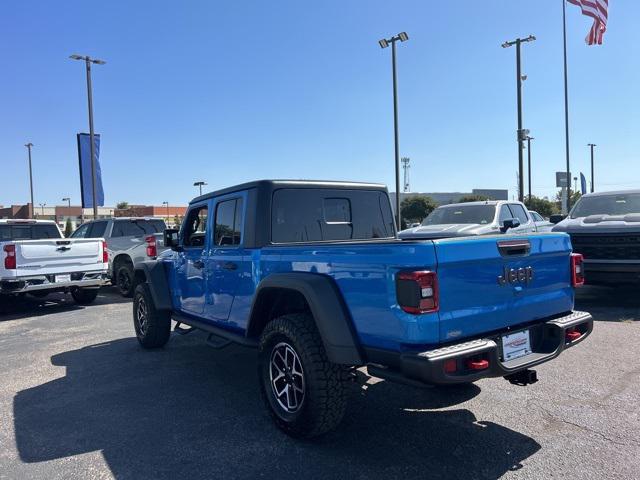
596,9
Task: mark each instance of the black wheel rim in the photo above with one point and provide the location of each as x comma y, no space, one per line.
287,377
142,315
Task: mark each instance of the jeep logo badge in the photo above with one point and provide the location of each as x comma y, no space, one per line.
516,275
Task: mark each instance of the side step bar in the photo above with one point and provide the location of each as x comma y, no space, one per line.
216,332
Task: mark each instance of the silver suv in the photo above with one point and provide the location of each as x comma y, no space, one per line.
473,218
129,242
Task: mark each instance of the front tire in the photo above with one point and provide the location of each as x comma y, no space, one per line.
125,280
152,326
84,296
305,394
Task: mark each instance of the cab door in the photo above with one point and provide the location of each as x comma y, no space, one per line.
227,260
190,261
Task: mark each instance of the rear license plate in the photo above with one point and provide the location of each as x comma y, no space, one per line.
63,278
516,345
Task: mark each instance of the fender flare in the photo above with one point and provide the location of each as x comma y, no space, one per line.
327,306
153,273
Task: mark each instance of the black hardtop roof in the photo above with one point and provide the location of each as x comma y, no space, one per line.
274,184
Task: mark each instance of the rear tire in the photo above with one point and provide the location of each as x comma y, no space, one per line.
84,296
125,279
305,394
152,326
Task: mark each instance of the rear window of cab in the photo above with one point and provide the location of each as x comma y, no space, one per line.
316,215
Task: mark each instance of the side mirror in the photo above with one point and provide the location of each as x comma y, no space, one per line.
509,223
557,218
171,238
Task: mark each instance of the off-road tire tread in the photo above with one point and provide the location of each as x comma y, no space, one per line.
326,396
158,323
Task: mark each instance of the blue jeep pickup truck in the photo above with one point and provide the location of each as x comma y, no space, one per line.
312,274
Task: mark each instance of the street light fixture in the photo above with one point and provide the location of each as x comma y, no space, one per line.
29,145
167,205
384,43
591,145
68,200
199,184
88,61
522,135
42,205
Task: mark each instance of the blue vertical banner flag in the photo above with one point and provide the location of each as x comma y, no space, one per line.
583,183
84,160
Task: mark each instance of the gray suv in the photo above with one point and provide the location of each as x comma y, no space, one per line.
129,242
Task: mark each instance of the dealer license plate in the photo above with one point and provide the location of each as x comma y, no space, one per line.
516,345
63,278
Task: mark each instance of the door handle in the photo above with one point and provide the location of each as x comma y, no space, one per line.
199,264
230,266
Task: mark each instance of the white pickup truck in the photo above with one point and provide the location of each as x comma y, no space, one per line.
36,259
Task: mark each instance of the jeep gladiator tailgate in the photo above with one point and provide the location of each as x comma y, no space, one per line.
492,283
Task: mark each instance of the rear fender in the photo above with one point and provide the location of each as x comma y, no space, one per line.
327,307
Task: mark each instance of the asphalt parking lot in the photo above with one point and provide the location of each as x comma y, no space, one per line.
80,399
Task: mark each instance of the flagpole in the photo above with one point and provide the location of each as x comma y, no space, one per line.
566,104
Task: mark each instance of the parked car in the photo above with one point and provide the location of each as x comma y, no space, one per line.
473,218
312,275
130,241
542,224
38,260
605,228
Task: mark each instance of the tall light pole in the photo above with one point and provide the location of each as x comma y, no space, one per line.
199,184
42,205
384,43
88,61
68,200
29,145
591,145
529,162
522,135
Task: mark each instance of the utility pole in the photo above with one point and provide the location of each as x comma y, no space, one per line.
88,61
29,145
384,43
529,162
591,145
522,134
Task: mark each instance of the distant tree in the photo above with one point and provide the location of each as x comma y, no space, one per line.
122,205
177,221
543,206
68,228
417,207
473,198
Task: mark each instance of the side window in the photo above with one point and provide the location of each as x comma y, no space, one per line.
97,229
81,231
195,227
519,213
505,213
228,228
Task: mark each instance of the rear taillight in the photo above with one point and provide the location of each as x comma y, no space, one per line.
152,250
417,291
105,253
10,259
577,269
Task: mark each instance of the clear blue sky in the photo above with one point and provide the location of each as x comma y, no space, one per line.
238,90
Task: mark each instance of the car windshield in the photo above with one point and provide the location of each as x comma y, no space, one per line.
480,214
615,204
